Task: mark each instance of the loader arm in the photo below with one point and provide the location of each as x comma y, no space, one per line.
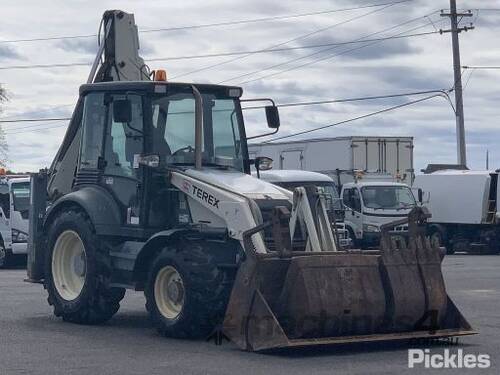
118,56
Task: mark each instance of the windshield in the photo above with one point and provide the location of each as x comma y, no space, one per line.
21,196
328,188
173,118
387,197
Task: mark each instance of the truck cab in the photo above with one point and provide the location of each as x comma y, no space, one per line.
14,211
370,204
291,179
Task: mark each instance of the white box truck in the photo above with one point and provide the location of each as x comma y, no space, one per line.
14,212
464,208
340,157
372,172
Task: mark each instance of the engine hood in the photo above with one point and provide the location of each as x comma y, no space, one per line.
240,183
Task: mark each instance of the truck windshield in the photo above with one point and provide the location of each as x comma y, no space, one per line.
329,189
21,196
173,118
387,197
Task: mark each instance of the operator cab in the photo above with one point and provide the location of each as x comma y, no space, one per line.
126,136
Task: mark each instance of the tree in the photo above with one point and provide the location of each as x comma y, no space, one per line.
4,148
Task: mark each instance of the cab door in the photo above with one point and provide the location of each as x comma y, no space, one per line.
123,145
291,159
353,216
110,148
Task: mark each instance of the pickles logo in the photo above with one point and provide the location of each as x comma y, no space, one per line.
448,359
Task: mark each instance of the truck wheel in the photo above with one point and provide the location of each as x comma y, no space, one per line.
436,238
186,293
77,272
355,243
3,257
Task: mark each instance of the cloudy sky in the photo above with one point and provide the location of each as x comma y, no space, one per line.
321,73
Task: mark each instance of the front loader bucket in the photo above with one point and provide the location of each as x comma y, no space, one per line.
318,298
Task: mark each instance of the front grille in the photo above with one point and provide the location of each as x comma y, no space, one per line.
401,228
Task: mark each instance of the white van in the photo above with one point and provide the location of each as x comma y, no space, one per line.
14,212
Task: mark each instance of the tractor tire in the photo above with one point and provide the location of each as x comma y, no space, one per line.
77,272
186,292
4,257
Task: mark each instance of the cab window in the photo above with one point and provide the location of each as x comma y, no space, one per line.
352,199
94,117
124,140
5,200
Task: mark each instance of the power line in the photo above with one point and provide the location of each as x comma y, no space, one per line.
480,67
300,37
328,57
356,99
43,66
35,130
284,105
355,118
36,119
208,25
236,53
43,110
316,53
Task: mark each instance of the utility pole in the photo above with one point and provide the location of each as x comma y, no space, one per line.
459,105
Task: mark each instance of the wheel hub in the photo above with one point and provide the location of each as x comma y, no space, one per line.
175,291
169,292
69,265
79,265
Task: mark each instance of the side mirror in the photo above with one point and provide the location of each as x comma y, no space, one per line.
152,161
122,110
420,194
263,163
272,116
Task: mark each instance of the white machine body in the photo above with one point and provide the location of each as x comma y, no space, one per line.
221,198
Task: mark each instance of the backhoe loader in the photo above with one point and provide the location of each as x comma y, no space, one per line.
151,190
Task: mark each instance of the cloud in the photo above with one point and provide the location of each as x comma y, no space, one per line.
9,53
393,66
86,46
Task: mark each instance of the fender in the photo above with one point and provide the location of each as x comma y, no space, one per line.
151,248
96,202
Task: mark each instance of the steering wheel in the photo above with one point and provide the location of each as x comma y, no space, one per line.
183,149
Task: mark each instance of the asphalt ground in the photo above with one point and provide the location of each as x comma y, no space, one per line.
33,341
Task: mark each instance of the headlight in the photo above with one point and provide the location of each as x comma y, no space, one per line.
370,228
18,236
